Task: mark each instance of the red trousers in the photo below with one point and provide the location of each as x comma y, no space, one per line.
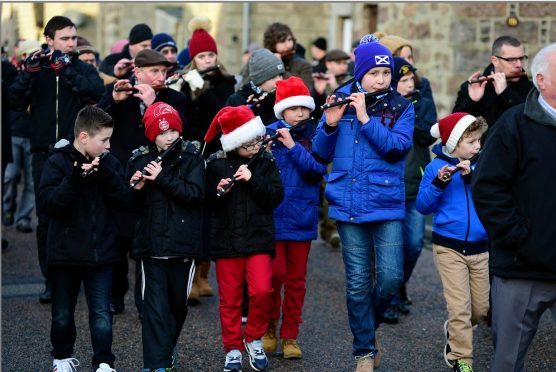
289,269
230,274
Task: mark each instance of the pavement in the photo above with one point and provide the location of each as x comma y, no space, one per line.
415,344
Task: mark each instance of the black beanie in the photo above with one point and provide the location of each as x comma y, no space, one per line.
139,33
320,43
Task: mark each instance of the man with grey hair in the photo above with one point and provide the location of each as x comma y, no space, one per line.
513,192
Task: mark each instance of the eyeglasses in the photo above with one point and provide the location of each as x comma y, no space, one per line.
253,144
513,61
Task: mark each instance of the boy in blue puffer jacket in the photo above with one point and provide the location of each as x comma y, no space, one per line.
367,142
459,239
296,218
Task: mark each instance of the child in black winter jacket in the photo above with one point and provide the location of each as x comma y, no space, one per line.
242,230
77,190
168,231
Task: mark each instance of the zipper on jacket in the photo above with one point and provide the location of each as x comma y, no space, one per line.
57,90
468,211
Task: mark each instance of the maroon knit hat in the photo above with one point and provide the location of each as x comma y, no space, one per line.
201,41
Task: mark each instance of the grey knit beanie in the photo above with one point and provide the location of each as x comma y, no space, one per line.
264,65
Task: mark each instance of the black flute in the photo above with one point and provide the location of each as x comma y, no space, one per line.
446,176
158,159
233,180
86,172
346,101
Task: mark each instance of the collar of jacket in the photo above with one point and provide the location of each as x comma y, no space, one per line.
534,110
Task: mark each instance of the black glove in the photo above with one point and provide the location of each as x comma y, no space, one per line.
59,60
32,64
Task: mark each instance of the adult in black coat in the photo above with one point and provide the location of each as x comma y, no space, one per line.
508,87
55,89
513,192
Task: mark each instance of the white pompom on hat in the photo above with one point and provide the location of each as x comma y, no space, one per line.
450,129
238,125
292,92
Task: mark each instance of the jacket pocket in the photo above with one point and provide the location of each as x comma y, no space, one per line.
385,190
335,187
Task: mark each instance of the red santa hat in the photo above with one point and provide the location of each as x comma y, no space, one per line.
450,129
238,125
160,117
292,92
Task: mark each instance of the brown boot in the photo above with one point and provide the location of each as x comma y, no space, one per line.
365,364
194,296
291,349
270,341
204,287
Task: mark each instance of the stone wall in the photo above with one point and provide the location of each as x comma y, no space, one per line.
452,40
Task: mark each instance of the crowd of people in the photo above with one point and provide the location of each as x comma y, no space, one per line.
162,155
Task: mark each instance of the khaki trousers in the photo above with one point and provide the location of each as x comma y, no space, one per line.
466,290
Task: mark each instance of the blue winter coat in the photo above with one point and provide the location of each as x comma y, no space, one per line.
296,218
366,183
454,212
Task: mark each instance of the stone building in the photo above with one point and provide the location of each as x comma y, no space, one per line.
451,40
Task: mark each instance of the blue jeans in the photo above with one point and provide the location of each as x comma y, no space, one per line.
369,289
413,235
97,282
21,149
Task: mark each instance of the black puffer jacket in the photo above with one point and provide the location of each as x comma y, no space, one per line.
264,108
242,221
513,192
82,229
54,105
170,217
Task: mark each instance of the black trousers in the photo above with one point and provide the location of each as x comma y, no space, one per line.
165,288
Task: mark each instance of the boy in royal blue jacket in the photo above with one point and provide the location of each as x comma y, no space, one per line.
296,218
459,239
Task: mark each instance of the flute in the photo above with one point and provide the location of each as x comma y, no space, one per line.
135,90
233,180
202,73
158,159
346,101
446,176
86,172
490,78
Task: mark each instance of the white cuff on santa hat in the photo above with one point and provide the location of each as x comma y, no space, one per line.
246,133
293,101
457,132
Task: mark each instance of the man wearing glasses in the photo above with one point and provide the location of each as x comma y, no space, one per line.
502,85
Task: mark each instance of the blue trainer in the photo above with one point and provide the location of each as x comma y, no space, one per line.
257,357
233,361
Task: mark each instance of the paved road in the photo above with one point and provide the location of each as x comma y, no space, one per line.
415,344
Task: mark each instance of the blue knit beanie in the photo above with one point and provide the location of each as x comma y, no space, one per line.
183,57
162,40
370,54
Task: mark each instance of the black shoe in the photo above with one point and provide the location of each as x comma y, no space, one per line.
403,295
24,226
4,243
117,306
8,219
46,296
403,307
391,315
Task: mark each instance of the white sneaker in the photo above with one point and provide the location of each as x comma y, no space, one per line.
257,357
104,367
65,365
233,361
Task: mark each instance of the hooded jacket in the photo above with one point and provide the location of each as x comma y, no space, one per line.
455,223
366,183
513,190
82,229
55,99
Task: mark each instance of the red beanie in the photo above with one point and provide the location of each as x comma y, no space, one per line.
200,41
160,117
292,92
450,129
238,125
